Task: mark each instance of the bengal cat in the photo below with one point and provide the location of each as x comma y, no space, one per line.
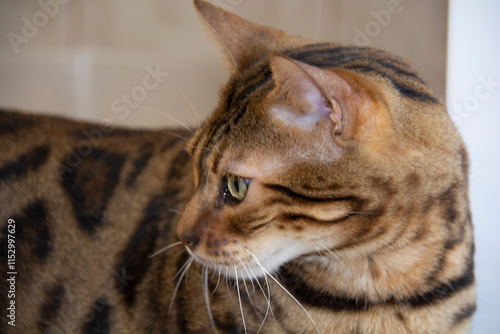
327,193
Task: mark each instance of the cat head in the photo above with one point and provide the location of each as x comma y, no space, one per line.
309,149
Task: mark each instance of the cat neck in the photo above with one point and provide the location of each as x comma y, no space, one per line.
398,271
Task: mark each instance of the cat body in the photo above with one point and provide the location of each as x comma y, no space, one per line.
328,195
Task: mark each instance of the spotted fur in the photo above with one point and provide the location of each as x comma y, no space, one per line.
356,217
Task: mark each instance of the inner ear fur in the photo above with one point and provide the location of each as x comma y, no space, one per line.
336,96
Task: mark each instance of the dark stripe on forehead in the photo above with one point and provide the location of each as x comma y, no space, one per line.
400,83
235,108
323,55
387,65
238,105
343,56
366,60
327,57
195,140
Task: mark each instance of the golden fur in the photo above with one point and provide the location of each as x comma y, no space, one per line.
355,218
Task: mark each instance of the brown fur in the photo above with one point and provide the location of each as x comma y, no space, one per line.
357,204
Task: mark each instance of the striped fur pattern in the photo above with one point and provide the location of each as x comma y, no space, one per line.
354,216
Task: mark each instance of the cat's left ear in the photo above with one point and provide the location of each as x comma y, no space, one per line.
309,95
242,40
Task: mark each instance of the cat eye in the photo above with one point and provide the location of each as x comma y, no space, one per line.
236,187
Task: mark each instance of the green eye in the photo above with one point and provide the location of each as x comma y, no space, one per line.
237,187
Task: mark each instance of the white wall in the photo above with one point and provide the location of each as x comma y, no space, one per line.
82,56
473,61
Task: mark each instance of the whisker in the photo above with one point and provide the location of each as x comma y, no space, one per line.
218,280
283,288
227,287
186,277
213,275
244,267
186,99
329,251
175,149
179,253
321,255
266,298
269,294
204,280
169,117
183,267
175,135
165,248
174,211
239,298
257,281
250,298
245,284
186,268
205,148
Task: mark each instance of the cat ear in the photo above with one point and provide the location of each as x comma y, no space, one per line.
240,38
311,95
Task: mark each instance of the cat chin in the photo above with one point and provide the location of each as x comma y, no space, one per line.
252,265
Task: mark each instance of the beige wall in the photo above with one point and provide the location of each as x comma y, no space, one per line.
85,55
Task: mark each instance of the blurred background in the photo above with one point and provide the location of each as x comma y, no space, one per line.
75,58
150,64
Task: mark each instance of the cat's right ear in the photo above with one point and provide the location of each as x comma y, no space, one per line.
306,96
241,39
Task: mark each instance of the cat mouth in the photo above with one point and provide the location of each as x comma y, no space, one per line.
237,264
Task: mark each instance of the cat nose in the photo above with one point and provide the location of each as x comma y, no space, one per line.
191,241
